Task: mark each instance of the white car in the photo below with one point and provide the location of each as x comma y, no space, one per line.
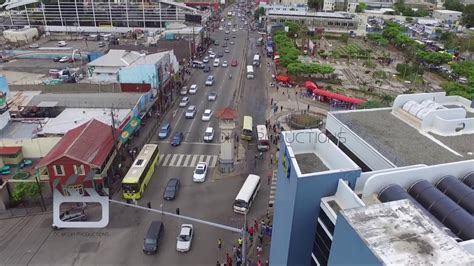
233,30
193,89
216,62
64,59
227,32
34,45
232,42
62,43
184,90
184,101
207,115
190,112
209,134
212,96
224,64
205,60
229,24
212,55
210,80
220,28
200,173
185,238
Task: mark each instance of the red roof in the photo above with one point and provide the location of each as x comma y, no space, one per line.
13,150
343,98
89,143
282,78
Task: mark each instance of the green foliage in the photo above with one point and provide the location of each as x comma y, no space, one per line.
379,74
286,49
293,26
259,12
465,69
467,18
370,104
436,58
453,5
409,12
377,38
344,38
316,4
300,68
361,7
352,50
454,88
369,64
405,69
22,190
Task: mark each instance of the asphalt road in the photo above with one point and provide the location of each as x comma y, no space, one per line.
31,240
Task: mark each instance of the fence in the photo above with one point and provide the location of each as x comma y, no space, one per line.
69,88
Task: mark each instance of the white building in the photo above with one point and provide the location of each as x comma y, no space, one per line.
329,5
447,16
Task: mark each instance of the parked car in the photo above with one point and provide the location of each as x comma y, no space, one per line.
184,90
62,43
185,238
184,101
72,215
210,80
64,59
177,139
191,112
153,236
209,134
193,89
164,131
206,59
34,45
200,173
212,96
171,189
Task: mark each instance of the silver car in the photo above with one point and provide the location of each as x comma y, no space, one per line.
191,112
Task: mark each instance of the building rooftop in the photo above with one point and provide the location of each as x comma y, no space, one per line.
73,117
310,163
124,58
18,99
402,143
19,130
448,11
89,143
399,233
88,100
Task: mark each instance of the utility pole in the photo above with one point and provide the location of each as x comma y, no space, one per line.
115,147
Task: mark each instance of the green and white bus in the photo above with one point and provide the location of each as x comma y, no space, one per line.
247,128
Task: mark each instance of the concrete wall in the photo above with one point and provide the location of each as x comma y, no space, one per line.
297,209
147,74
348,248
68,88
32,148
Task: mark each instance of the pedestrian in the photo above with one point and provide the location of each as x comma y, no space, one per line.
271,102
234,250
255,225
269,178
259,263
239,242
251,238
228,259
271,137
251,231
177,211
271,158
274,128
267,263
218,263
277,88
281,108
260,237
148,205
219,243
307,108
259,250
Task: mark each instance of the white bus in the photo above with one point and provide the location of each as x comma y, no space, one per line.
256,60
247,194
250,73
262,138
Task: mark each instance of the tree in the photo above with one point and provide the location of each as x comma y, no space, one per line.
293,27
435,58
316,4
464,69
22,190
454,88
259,12
467,18
453,5
361,7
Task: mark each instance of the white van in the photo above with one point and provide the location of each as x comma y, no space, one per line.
250,73
216,62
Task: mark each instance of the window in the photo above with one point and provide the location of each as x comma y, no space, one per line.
58,170
79,169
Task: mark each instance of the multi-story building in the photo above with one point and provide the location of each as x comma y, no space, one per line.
331,22
379,187
447,16
102,15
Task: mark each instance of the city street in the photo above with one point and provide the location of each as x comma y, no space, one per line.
121,242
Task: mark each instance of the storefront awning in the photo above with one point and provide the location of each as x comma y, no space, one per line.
282,78
128,130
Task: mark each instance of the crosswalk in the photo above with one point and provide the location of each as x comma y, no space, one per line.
273,187
186,160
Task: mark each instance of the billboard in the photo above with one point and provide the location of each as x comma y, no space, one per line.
192,18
